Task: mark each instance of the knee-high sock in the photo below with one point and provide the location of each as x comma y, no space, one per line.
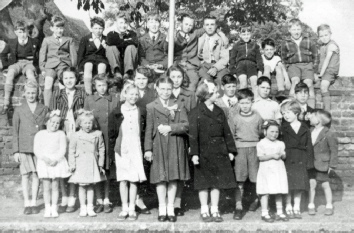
326,101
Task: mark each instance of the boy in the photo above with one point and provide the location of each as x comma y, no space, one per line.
245,59
228,102
325,146
329,63
122,48
141,80
246,127
302,96
23,59
300,56
56,54
267,108
272,65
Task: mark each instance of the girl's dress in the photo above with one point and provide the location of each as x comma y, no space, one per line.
53,146
86,155
129,162
271,178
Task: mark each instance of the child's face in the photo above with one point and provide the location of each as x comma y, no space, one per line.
53,124
177,78
215,95
101,87
269,51
97,30
302,96
132,96
314,120
295,31
31,94
21,34
289,115
140,81
153,25
86,124
69,80
121,25
324,36
246,36
229,89
210,26
187,25
263,90
245,105
164,90
272,132
57,30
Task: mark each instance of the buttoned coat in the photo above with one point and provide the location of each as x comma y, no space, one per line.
326,150
153,52
52,53
211,140
25,126
169,153
102,107
299,155
149,96
187,98
34,43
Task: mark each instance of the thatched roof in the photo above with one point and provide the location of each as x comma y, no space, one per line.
4,3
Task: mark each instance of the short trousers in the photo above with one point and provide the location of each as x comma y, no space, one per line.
318,175
21,66
301,70
246,164
330,77
57,71
28,163
246,67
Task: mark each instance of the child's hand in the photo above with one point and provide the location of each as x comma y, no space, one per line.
164,129
195,160
17,157
102,171
317,78
148,156
231,156
212,71
276,156
43,73
71,169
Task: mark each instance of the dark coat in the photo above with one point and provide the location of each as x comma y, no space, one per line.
102,107
153,52
25,126
302,118
12,45
59,101
299,156
170,160
149,96
210,138
326,150
187,98
88,52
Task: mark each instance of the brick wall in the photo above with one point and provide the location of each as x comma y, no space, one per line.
343,123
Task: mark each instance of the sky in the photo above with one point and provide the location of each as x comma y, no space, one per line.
337,13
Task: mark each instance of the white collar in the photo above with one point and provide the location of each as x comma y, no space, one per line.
226,99
128,108
260,98
94,37
25,41
303,107
165,105
176,92
154,35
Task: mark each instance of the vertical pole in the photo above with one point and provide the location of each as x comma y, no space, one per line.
171,32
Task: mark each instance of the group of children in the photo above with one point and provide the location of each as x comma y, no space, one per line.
92,137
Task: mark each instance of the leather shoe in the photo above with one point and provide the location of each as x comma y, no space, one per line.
27,210
34,210
206,218
281,217
329,211
162,218
70,209
107,208
99,208
254,206
172,218
238,215
312,211
142,211
267,218
179,212
62,209
216,217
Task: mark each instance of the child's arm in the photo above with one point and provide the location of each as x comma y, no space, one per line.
233,56
182,126
82,50
285,75
149,131
259,61
310,151
263,156
332,48
62,146
142,53
43,55
333,148
73,54
72,152
229,139
101,150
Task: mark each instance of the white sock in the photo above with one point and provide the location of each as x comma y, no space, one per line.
171,210
329,206
214,209
162,209
64,201
55,207
27,203
204,209
47,207
311,206
100,201
125,207
106,201
177,203
131,207
139,202
34,202
264,213
71,201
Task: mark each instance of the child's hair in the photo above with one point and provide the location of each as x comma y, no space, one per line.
291,105
97,20
324,116
294,22
164,80
187,15
324,27
245,27
185,82
51,114
153,15
267,123
227,79
81,114
69,69
32,84
263,79
57,21
209,17
147,72
245,94
109,79
301,86
202,91
122,15
127,86
20,25
269,42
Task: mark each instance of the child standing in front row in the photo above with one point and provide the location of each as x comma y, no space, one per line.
86,160
326,151
271,178
299,153
50,149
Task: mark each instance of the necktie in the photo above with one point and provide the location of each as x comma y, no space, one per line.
153,39
58,39
229,101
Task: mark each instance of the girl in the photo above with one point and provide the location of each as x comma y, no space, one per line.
50,149
166,126
129,160
212,147
180,95
271,177
68,101
299,153
102,105
86,160
92,53
27,120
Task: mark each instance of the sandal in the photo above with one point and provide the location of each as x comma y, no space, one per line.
206,217
281,217
267,218
122,215
290,214
132,216
297,214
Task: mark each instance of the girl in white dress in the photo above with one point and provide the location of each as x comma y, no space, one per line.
128,152
271,177
50,148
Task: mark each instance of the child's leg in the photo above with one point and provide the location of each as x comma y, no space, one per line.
280,78
31,74
9,84
106,192
101,68
171,195
72,199
294,81
90,194
325,94
47,93
203,198
130,58
64,195
139,202
297,200
88,67
124,192
25,182
46,192
214,198
267,71
35,187
279,204
98,189
178,199
264,204
311,102
161,189
82,198
55,197
193,76
312,193
239,195
328,194
253,80
133,189
289,206
243,81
